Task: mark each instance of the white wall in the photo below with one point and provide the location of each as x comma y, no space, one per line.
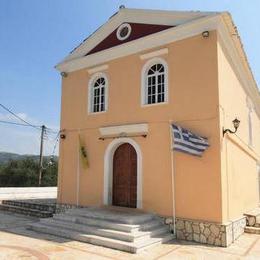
28,193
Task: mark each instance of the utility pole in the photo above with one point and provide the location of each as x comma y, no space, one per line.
41,155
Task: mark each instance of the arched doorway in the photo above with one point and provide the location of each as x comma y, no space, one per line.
125,176
108,169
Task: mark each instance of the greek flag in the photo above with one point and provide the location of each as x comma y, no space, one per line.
187,142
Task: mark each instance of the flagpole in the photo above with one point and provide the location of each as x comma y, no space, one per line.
172,181
78,168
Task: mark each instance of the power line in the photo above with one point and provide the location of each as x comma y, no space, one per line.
18,117
56,143
26,122
48,130
13,123
52,131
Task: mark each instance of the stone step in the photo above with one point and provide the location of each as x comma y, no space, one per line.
110,233
31,204
26,211
132,247
252,230
123,215
253,217
150,224
257,219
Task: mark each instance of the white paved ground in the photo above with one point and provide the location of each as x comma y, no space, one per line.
16,242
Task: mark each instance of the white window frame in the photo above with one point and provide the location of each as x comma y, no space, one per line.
146,67
119,37
91,92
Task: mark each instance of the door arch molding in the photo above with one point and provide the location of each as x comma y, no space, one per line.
108,170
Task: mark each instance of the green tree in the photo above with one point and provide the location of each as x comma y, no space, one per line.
24,173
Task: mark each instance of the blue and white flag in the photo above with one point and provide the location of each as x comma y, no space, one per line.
187,142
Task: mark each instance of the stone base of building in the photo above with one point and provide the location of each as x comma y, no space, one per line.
208,232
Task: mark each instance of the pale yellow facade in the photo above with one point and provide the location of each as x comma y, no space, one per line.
204,95
239,155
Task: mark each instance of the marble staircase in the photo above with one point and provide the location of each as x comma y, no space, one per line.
125,229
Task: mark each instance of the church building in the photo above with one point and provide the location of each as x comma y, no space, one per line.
126,87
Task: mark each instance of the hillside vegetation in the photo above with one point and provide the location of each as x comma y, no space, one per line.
23,170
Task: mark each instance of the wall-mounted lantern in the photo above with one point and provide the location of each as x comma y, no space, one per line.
62,136
64,74
236,123
205,34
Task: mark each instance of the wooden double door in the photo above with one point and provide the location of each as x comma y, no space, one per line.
125,176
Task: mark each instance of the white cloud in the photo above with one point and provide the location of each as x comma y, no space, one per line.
7,117
24,116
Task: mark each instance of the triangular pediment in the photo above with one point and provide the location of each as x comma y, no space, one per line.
153,28
138,30
143,23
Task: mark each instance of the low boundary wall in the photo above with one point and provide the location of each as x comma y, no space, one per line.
28,193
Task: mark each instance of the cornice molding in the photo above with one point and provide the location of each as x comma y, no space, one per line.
97,69
183,31
145,43
126,129
153,54
128,15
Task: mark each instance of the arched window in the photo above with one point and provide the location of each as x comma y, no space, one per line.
155,78
98,93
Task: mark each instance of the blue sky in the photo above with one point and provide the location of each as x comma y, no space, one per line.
36,35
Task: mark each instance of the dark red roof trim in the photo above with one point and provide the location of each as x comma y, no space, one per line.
138,30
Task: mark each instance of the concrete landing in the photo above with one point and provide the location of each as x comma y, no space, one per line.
129,230
115,214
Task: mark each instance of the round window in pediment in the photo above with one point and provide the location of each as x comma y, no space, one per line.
123,31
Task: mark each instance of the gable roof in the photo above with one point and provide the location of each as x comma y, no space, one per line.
137,30
182,25
125,15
